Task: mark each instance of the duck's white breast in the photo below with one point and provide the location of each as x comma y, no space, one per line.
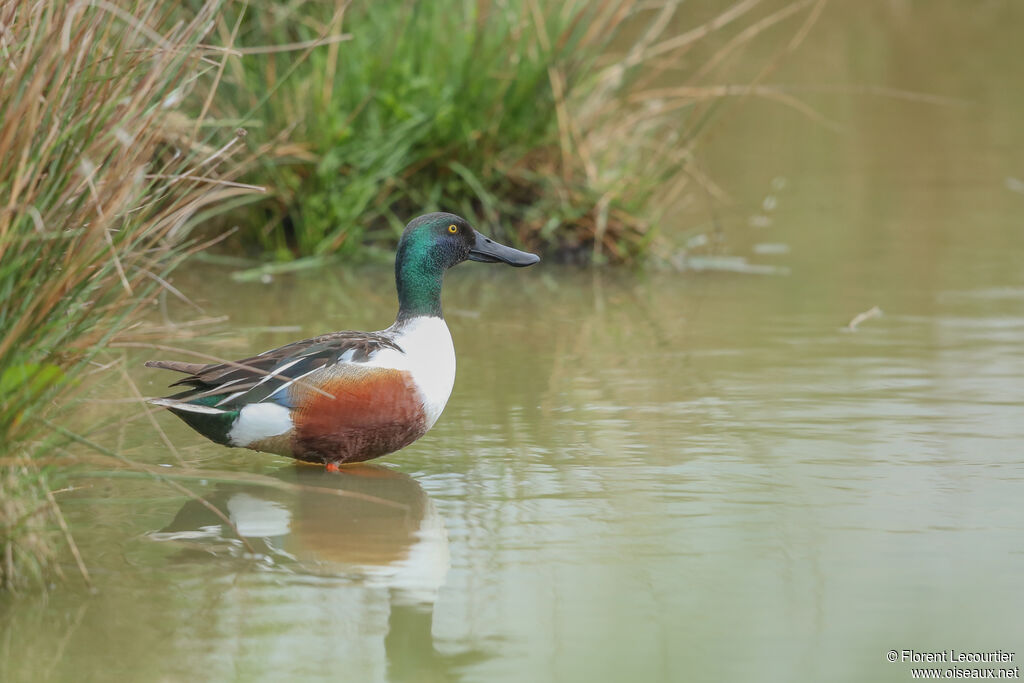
429,356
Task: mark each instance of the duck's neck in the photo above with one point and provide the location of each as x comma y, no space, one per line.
419,286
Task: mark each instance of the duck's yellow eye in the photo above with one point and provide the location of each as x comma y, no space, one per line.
453,228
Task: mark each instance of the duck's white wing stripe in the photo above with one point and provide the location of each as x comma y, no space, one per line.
181,405
277,371
291,382
230,397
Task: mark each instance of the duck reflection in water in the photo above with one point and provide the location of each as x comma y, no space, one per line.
368,523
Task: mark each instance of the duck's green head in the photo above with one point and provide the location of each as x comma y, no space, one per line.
433,243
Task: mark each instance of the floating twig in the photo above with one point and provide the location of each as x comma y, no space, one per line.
873,312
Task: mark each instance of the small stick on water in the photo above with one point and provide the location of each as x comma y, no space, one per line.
873,312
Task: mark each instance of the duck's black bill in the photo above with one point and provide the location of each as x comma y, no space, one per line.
487,250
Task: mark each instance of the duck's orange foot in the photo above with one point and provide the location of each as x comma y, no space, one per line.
333,467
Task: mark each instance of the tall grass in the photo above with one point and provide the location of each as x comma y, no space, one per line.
100,176
526,116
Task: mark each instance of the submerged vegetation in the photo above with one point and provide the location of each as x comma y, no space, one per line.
320,128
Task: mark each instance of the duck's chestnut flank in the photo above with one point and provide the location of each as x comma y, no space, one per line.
347,396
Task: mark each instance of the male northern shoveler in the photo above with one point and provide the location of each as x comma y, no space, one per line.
347,396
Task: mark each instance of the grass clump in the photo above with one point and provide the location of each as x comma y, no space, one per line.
99,178
521,115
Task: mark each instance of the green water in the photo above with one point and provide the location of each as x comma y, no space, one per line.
639,477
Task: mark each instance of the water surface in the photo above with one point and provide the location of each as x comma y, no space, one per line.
660,477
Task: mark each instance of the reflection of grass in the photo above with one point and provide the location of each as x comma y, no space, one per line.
535,119
99,174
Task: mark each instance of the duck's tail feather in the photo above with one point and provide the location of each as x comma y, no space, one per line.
186,407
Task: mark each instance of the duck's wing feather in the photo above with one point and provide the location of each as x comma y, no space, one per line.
254,379
177,366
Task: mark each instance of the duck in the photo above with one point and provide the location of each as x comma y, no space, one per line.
346,397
